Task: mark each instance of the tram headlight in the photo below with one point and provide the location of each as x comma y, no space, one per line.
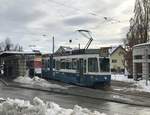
105,78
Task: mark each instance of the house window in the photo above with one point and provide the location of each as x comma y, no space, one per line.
138,57
114,61
66,64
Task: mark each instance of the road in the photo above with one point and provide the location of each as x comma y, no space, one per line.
68,101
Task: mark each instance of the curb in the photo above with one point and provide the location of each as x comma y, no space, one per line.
4,82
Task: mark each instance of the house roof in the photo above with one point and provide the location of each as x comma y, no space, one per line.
115,49
64,49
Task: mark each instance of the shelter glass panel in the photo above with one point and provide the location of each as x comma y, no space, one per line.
138,57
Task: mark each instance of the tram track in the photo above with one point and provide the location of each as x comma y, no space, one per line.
105,95
101,109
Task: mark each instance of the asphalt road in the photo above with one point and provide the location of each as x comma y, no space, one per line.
68,101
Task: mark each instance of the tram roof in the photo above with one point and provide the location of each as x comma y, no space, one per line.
80,52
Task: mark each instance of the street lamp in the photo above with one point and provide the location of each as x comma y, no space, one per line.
53,43
51,57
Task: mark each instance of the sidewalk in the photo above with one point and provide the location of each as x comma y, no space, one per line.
89,93
127,88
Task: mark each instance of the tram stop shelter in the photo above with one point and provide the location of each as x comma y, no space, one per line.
141,61
16,63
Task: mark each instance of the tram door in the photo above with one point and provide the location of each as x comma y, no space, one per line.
81,64
51,66
82,69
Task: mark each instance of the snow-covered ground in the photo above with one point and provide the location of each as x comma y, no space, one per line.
39,107
136,86
38,81
140,86
121,77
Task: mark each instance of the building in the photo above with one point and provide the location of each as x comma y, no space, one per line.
141,61
17,64
63,49
117,61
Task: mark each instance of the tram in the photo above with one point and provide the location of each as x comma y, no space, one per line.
80,67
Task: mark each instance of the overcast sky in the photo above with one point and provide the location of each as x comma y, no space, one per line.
26,21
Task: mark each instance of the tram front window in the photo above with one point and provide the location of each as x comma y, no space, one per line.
104,65
92,65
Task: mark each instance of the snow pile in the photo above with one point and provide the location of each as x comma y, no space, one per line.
38,81
141,86
21,107
137,85
121,77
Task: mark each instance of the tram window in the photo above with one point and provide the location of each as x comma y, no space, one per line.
92,65
57,65
45,63
74,63
68,65
81,65
104,65
62,65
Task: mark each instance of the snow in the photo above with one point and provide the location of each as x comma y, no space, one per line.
37,81
121,98
140,86
121,77
39,107
136,86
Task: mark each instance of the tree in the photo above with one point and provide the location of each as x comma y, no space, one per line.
138,31
7,45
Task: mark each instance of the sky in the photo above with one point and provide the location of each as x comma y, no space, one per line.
33,23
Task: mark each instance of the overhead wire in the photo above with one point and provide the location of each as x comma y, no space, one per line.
105,18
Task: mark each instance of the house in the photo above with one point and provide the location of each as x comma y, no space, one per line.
63,49
117,61
104,51
141,61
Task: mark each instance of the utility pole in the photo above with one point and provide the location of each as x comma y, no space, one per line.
79,46
146,66
53,45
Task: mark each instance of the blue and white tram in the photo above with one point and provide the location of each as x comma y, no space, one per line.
82,69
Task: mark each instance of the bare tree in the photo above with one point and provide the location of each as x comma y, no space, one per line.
7,45
17,47
139,29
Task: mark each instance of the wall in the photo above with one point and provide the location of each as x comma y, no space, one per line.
119,56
